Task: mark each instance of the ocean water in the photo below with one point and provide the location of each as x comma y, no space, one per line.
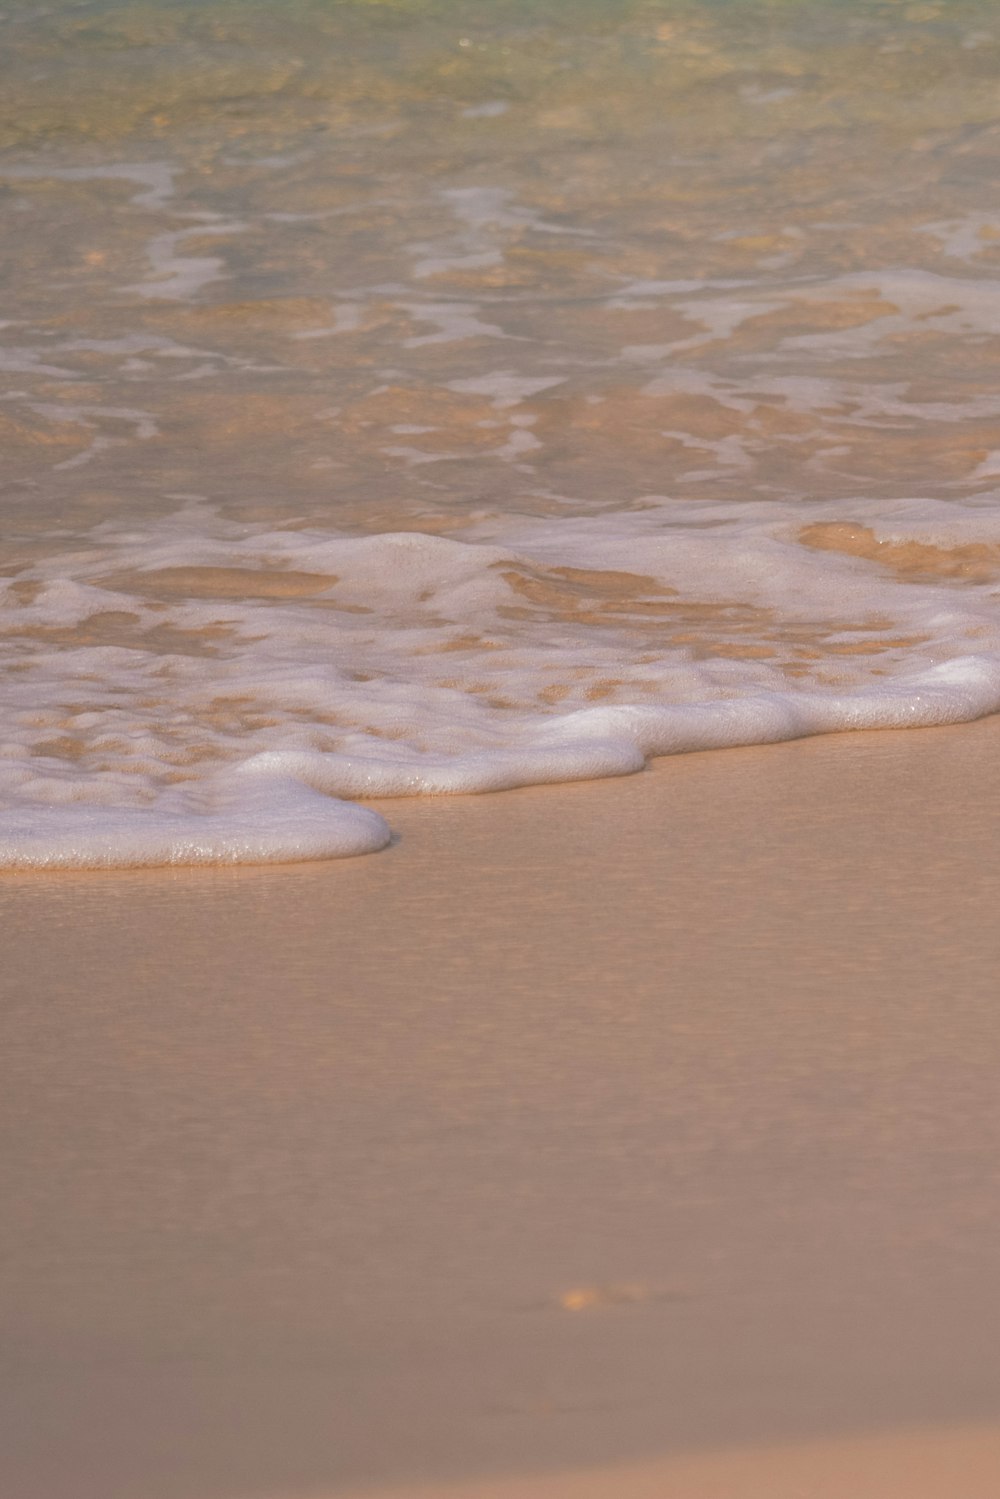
431,396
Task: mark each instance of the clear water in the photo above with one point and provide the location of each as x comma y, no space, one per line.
403,397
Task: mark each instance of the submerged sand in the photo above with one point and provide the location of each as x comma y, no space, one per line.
585,1130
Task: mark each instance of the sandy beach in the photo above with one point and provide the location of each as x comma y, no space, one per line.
636,1136
412,398
917,1464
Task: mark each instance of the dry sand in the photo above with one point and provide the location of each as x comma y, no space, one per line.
585,1129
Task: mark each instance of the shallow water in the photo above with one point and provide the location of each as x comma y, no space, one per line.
405,397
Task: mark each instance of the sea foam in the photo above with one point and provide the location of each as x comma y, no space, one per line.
198,691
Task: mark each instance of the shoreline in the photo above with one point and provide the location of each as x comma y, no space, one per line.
584,1127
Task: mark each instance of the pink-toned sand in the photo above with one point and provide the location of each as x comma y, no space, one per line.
910,1464
638,1137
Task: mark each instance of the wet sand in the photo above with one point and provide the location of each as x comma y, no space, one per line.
585,1129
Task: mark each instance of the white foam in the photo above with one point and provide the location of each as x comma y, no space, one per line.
261,822
177,277
153,179
489,111
238,709
486,218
